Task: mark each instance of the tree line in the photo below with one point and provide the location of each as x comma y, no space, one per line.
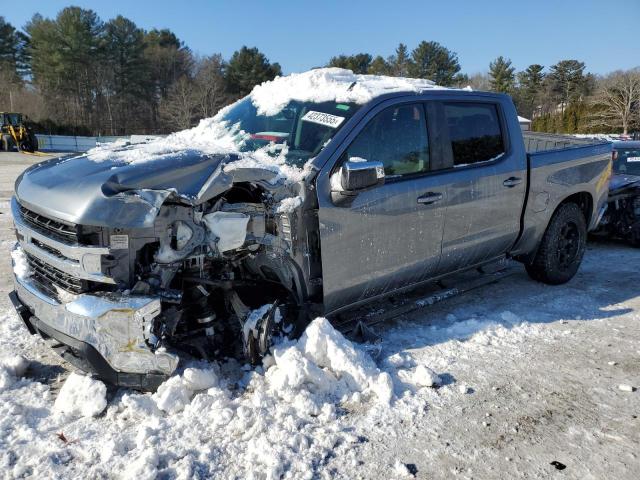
77,74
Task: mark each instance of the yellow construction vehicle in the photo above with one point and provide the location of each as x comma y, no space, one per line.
14,134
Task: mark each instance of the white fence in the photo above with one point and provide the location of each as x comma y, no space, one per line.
62,143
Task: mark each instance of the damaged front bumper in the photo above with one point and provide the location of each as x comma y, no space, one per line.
107,334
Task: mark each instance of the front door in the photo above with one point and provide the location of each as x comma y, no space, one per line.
389,236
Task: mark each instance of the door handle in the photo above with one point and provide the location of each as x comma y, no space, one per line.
512,182
429,198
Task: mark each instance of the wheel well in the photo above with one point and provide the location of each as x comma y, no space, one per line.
584,200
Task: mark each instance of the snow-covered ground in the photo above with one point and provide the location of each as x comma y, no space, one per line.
498,383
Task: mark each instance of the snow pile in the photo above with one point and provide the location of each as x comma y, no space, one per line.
324,362
81,396
330,85
11,368
176,393
209,137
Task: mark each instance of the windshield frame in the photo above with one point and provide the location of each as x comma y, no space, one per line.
242,120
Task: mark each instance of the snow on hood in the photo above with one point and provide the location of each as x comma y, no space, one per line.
330,85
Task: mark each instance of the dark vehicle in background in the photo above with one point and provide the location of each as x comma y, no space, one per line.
622,217
126,265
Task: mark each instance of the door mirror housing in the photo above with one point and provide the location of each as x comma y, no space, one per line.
360,175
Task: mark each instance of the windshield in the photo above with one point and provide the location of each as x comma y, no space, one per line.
628,162
300,130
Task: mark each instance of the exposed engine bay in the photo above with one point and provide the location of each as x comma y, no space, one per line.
622,217
224,273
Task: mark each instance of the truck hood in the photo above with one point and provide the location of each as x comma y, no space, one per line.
621,181
126,195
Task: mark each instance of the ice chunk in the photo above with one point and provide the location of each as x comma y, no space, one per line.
173,395
288,205
200,379
20,265
425,377
81,396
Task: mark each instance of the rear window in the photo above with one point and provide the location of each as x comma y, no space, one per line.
474,131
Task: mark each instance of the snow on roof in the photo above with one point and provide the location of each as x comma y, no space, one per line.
214,136
330,85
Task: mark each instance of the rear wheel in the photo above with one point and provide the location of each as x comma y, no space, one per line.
562,247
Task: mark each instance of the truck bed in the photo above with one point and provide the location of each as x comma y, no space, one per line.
541,142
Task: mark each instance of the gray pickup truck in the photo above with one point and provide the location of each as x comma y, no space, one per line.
127,263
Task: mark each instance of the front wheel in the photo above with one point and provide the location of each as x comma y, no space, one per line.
562,247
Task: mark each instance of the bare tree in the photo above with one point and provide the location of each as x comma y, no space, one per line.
209,88
178,109
617,100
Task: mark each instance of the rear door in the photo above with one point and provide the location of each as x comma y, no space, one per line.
389,236
486,182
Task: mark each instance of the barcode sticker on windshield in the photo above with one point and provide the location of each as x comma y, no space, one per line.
633,159
325,119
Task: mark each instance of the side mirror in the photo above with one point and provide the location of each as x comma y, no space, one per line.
360,175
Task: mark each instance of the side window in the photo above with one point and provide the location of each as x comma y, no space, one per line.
397,137
474,132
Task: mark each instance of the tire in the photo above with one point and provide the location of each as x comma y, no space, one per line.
562,247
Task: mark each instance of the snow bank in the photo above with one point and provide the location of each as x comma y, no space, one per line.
81,396
328,364
330,85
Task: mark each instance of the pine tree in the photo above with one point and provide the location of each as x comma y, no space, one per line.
433,61
247,68
502,75
12,51
379,66
400,63
358,63
127,73
568,81
530,89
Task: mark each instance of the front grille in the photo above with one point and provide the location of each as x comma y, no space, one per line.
48,278
59,230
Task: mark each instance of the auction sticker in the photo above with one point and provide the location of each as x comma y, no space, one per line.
325,119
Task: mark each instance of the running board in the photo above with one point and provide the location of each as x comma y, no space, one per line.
356,324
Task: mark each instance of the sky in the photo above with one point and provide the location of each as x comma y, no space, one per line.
304,34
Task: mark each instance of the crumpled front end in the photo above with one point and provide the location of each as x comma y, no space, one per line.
621,218
107,334
157,272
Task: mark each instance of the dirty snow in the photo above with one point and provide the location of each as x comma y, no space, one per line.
515,371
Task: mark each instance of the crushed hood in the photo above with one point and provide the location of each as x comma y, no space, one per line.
126,195
621,182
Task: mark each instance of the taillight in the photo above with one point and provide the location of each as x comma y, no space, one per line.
614,155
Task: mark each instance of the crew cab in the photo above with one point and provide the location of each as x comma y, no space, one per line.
315,194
